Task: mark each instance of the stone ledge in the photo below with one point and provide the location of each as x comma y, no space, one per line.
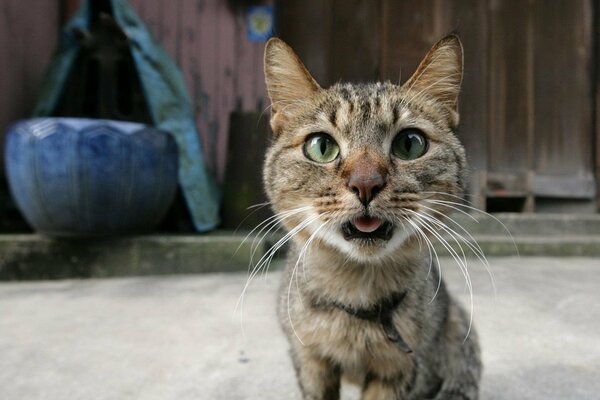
38,257
25,257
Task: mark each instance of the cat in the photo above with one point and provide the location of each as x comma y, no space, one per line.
360,175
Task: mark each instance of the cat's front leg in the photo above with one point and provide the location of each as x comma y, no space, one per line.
377,388
458,393
382,390
318,377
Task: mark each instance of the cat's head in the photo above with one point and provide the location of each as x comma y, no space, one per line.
360,167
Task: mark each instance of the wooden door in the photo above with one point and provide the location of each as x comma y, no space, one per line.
527,100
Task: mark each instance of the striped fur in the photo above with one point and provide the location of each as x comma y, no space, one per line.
326,275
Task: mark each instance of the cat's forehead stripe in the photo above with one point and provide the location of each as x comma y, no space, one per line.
333,116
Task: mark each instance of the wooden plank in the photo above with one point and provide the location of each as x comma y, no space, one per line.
150,12
205,86
242,187
355,41
261,100
306,25
596,82
190,60
510,69
225,90
470,19
563,88
170,21
245,52
27,41
409,28
566,186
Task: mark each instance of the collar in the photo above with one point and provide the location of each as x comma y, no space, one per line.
380,313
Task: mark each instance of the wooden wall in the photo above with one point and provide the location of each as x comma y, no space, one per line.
528,96
222,69
207,39
28,34
527,100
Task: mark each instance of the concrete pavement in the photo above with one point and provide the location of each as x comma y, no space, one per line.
175,337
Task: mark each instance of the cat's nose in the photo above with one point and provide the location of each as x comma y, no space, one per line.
366,186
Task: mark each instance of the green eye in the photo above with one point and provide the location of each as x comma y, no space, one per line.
321,148
409,144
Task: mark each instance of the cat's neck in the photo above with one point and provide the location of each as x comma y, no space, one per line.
331,276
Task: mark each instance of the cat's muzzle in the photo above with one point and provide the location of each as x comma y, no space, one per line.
351,230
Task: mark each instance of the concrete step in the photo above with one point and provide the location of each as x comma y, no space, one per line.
529,224
38,257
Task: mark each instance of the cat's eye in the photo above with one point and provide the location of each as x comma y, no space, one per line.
409,144
321,148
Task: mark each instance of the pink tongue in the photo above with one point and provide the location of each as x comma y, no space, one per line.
367,224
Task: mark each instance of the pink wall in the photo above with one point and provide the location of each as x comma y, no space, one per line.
222,69
28,34
207,39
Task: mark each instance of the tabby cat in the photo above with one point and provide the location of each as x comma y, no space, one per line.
360,175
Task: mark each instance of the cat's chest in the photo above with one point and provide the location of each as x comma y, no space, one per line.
355,344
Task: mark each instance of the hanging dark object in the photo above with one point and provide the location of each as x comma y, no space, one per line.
108,66
103,81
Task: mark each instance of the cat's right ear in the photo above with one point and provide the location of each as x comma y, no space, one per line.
288,81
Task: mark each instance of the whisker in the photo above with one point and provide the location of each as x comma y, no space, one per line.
301,256
431,248
269,224
471,242
454,205
266,258
460,262
449,195
258,205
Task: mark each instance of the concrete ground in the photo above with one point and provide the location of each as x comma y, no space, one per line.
176,337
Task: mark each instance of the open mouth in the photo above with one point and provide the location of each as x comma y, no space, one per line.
367,228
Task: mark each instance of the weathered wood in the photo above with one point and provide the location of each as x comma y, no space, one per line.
28,34
596,77
409,30
510,90
563,91
470,19
306,25
222,69
355,41
566,186
243,188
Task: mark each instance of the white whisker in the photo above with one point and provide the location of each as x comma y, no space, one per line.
431,248
454,205
471,242
460,262
266,259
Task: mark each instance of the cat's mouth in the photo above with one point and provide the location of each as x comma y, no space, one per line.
367,228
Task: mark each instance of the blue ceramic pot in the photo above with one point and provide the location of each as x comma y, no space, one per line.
90,177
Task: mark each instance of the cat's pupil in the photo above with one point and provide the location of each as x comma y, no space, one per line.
408,142
323,146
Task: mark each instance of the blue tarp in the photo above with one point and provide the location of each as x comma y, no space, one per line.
166,96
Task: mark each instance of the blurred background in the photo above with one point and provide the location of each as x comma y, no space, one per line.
76,194
528,106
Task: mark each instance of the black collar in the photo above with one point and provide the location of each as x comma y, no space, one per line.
380,313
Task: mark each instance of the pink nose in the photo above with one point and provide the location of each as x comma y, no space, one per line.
366,186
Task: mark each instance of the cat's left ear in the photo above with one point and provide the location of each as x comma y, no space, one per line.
440,74
288,81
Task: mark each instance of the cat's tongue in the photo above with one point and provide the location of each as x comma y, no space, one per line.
367,224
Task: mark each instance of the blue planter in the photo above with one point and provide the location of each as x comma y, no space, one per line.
86,177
